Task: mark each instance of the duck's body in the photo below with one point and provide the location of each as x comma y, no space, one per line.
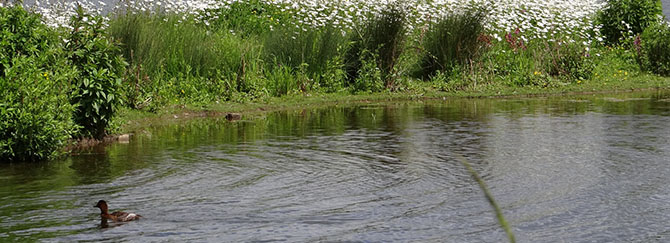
115,216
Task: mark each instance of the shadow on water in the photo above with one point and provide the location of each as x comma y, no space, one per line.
561,168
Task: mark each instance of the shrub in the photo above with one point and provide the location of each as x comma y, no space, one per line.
100,65
453,40
22,35
383,36
654,48
35,112
622,19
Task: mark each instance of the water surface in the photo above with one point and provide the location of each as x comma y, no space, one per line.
576,169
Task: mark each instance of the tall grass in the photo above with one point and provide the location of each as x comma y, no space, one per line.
169,44
308,54
452,40
294,47
172,56
380,42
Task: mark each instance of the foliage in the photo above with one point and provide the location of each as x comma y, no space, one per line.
453,40
22,35
370,75
653,47
621,19
534,63
311,53
175,59
383,36
295,47
167,45
35,112
100,65
248,18
566,59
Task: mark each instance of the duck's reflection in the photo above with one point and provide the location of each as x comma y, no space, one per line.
104,224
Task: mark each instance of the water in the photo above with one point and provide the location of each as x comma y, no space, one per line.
666,8
575,169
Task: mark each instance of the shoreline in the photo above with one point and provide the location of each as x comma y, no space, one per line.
135,121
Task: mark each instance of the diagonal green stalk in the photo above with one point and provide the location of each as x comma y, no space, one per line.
489,197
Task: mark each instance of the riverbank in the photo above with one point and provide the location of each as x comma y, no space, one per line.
135,121
153,63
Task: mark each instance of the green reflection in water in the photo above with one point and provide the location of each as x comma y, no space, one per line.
30,191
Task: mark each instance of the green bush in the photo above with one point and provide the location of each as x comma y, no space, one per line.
22,35
100,65
453,40
654,48
35,112
622,19
383,35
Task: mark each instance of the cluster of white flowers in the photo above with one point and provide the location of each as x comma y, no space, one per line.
546,19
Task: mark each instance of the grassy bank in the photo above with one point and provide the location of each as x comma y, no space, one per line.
145,63
134,121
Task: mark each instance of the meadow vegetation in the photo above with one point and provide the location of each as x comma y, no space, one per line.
69,79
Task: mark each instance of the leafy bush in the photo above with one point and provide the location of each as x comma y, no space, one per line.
622,19
22,35
100,65
654,48
35,112
453,40
383,36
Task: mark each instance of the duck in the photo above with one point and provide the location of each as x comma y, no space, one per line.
115,216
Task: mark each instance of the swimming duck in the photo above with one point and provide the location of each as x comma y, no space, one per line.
115,216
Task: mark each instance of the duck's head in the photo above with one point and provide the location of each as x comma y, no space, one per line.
102,205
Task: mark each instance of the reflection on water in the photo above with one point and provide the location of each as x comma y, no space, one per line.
584,168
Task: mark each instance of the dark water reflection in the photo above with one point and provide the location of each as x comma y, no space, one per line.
587,168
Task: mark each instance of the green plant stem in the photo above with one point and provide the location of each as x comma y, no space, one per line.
489,197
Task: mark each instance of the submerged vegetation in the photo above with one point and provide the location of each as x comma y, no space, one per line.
68,79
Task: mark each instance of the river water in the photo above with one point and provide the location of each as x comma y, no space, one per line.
589,168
